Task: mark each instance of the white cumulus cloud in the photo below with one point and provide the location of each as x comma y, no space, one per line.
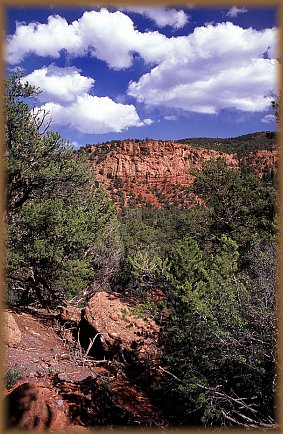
67,102
268,119
162,16
59,84
209,76
93,115
214,67
43,39
234,11
92,35
148,121
170,118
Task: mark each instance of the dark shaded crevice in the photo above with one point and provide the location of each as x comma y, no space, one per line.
100,350
85,333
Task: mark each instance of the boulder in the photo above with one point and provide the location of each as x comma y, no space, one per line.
31,406
12,333
120,329
70,314
70,317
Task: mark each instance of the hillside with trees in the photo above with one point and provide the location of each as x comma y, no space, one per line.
240,145
198,261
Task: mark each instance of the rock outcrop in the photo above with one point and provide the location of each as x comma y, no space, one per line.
31,406
72,393
151,162
121,331
147,170
12,333
70,314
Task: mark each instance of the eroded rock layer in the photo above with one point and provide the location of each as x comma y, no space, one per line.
137,172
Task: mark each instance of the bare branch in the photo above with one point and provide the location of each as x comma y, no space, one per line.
91,344
39,118
169,373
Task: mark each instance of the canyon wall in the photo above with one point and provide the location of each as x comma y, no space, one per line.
148,169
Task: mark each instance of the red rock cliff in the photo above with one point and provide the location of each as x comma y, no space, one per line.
142,169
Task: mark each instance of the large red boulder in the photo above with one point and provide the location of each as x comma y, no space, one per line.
31,406
121,329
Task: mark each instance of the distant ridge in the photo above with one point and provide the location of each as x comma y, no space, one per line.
238,145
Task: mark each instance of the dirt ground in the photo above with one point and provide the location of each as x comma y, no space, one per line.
42,355
42,352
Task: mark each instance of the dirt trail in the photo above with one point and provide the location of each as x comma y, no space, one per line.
94,393
41,351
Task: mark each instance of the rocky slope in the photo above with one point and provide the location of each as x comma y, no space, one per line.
81,368
159,172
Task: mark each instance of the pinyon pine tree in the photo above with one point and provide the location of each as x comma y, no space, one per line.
54,211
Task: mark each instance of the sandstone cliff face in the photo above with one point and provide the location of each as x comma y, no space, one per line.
152,162
145,170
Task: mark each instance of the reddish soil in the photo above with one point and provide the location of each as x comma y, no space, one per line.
87,391
42,352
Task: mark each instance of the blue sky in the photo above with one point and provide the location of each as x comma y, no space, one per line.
157,72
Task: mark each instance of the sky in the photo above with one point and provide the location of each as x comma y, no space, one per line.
164,73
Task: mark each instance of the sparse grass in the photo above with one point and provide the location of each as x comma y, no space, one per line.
124,313
53,371
12,376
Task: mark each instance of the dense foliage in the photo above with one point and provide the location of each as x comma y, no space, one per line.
215,263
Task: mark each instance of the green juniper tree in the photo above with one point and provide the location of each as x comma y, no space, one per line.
216,265
241,205
54,212
218,368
